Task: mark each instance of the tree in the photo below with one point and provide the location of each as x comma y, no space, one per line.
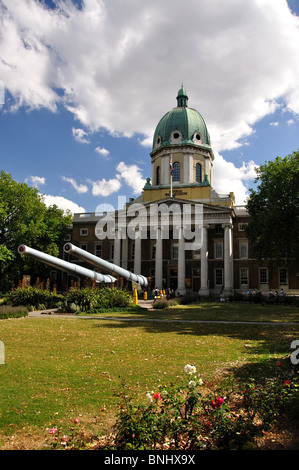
25,219
274,210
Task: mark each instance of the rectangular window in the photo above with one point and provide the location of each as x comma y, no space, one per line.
98,251
196,253
133,251
244,276
153,251
263,276
218,250
244,249
112,251
219,277
283,277
175,251
83,232
83,246
242,227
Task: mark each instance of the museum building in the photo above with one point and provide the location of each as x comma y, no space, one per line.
179,232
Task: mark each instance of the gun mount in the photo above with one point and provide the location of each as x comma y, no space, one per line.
105,265
65,266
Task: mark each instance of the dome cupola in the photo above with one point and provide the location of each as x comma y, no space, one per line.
181,125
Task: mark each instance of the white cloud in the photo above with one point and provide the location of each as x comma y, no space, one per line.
115,63
102,151
105,188
229,178
62,203
80,135
80,188
132,176
36,181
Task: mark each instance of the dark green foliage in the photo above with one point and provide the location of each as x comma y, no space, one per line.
274,210
89,299
33,298
25,219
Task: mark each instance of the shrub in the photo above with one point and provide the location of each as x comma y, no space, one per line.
91,299
189,415
257,297
160,304
33,298
7,311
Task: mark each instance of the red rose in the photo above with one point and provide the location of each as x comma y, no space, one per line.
216,404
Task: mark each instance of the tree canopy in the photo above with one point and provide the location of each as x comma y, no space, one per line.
25,219
274,210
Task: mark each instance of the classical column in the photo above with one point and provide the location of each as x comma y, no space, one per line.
124,261
137,255
181,264
116,258
188,169
228,258
159,260
204,283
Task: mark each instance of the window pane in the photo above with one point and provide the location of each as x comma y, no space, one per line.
175,251
198,173
176,171
98,251
283,277
158,176
263,276
218,277
218,250
244,276
244,250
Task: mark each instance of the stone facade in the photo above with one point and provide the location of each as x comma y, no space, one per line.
161,247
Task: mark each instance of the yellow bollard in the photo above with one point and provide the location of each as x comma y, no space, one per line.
135,297
145,295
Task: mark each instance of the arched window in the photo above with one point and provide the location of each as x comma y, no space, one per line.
176,171
198,174
158,176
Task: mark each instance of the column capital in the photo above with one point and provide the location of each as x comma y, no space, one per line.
227,225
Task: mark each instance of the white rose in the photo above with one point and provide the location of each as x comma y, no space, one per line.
190,369
149,397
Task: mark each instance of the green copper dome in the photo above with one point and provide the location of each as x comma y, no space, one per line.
181,125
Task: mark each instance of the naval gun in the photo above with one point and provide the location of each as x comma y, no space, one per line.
105,265
65,266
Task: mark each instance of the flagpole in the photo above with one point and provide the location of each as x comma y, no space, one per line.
171,173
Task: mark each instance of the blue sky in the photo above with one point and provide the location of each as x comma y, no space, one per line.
85,84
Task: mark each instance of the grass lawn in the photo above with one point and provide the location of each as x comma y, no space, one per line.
217,311
59,369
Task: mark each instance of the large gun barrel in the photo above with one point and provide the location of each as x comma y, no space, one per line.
103,264
65,266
